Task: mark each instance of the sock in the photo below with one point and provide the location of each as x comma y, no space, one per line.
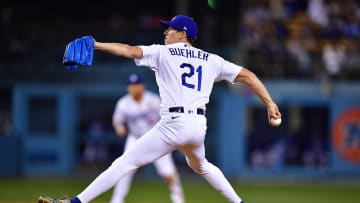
75,200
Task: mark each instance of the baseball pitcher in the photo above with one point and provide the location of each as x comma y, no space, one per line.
185,76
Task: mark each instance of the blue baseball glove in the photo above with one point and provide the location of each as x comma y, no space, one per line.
79,52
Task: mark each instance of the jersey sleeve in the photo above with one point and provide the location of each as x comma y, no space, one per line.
119,114
150,57
228,71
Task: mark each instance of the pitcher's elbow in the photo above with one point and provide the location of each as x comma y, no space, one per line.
135,52
249,77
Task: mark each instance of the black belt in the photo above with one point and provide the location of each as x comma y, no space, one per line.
180,109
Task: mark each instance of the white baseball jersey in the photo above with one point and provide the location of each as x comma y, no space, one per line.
140,117
185,74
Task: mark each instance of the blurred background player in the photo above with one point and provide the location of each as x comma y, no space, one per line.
135,114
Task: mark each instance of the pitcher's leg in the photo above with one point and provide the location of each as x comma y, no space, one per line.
146,150
195,157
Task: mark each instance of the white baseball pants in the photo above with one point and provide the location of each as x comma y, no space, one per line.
174,131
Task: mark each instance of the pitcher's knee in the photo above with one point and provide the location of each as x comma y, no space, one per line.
200,168
123,163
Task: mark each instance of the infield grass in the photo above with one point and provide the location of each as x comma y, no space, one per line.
27,190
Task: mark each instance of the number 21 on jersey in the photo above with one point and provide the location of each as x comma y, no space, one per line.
189,74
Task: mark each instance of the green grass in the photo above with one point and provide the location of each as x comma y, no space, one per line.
28,190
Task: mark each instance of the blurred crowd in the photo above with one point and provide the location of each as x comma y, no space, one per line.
313,39
279,39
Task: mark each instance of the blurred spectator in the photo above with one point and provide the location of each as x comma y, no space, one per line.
297,47
317,12
333,58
